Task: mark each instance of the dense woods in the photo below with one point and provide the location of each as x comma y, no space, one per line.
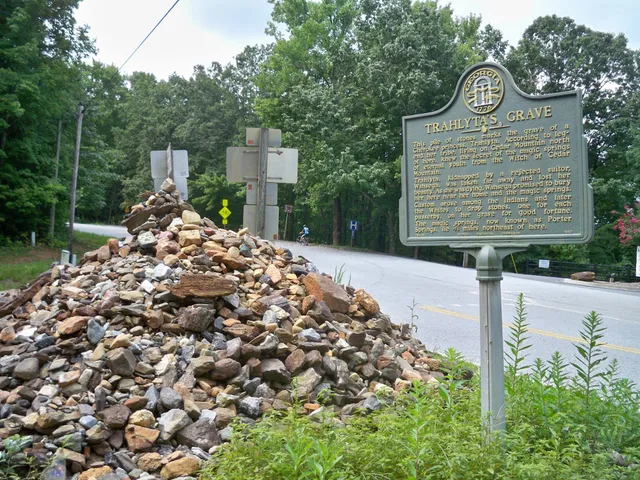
337,78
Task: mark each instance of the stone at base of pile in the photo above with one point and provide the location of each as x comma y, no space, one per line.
135,364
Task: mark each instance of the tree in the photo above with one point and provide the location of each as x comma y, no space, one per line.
40,51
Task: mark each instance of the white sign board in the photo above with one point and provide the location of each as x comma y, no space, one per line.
272,216
242,165
543,263
252,193
638,262
159,164
275,137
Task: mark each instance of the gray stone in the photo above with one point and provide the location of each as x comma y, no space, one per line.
27,369
162,271
310,335
72,442
250,406
125,461
264,391
122,362
372,403
226,433
168,185
305,383
172,422
95,332
202,365
88,421
147,240
153,398
201,434
196,319
270,317
274,370
170,399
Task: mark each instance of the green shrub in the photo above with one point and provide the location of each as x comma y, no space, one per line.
559,426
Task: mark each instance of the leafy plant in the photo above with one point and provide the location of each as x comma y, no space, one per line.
14,464
414,317
517,345
338,275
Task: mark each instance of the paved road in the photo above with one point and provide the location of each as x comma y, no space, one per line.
107,230
447,304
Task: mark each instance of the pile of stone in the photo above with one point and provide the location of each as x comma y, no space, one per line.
136,363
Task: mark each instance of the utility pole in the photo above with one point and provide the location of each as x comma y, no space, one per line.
74,182
52,217
263,156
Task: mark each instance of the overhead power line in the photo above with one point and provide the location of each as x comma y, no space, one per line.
148,35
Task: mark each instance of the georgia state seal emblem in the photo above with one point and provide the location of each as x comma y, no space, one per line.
483,90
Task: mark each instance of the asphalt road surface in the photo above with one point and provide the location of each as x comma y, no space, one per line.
447,304
107,230
446,300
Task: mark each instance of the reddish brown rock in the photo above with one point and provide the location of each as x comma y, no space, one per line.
367,303
325,289
104,253
72,325
189,237
140,439
150,462
203,286
179,468
115,417
274,274
584,276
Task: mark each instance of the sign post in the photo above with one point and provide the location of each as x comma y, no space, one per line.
224,211
288,209
489,174
638,262
262,165
353,226
173,164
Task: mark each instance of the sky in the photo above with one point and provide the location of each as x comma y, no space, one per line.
204,31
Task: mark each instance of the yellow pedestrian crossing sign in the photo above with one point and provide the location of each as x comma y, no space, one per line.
224,211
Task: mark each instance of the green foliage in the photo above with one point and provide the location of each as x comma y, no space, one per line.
40,51
515,356
14,463
338,275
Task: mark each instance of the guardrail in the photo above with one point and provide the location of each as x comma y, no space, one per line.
605,273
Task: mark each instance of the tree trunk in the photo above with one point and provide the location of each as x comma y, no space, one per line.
337,220
392,232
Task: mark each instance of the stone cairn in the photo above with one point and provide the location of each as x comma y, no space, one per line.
135,363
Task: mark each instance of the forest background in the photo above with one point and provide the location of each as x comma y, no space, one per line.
337,78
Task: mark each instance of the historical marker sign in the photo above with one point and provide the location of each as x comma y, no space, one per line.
496,167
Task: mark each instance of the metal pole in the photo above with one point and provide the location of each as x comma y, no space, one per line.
286,220
74,182
263,156
489,274
52,216
170,172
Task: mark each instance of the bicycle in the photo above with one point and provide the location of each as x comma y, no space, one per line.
302,240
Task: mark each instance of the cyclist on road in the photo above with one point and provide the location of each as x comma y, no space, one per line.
304,235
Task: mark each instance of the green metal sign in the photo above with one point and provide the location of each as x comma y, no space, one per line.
496,167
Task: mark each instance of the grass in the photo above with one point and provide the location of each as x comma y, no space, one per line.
559,426
20,264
